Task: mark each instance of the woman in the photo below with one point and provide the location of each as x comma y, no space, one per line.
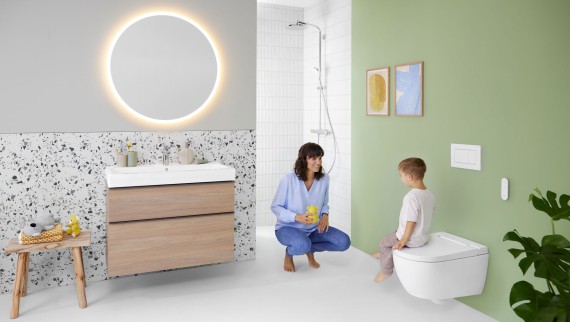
306,185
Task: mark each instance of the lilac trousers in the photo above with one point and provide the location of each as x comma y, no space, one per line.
386,259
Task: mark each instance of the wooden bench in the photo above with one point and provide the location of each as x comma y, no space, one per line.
21,282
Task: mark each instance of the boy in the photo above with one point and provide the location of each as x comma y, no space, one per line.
415,217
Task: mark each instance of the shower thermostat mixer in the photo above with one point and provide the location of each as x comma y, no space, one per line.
325,132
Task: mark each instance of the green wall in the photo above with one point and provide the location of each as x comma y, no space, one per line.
497,74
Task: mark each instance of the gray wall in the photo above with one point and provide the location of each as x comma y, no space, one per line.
52,64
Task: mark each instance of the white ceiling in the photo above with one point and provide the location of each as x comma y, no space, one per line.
290,3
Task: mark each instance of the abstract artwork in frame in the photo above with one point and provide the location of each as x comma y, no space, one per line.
409,89
378,91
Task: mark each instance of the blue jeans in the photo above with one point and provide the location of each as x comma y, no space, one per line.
299,244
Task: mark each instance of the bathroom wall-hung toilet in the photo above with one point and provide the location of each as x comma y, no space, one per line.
446,267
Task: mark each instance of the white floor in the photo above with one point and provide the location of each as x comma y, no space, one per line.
259,290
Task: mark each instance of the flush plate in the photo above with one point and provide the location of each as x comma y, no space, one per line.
466,156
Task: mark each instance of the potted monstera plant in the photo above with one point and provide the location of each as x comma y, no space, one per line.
551,262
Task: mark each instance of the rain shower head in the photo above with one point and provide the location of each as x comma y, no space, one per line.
299,25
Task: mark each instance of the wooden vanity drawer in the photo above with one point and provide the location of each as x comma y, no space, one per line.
154,245
140,203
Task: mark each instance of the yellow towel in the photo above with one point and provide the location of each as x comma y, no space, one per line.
48,236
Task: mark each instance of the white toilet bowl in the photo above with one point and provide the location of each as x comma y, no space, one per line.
446,267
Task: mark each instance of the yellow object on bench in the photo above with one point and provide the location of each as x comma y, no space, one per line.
48,236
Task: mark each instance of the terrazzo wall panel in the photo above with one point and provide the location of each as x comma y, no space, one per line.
63,173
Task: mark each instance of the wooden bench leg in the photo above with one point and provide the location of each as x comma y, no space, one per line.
79,276
24,289
17,286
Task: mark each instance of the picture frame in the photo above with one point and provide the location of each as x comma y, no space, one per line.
378,91
408,90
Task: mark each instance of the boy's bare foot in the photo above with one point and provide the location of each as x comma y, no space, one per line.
288,264
380,277
375,255
312,262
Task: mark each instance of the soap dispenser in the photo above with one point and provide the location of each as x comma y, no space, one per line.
186,155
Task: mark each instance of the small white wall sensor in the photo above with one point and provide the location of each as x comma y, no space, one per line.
504,188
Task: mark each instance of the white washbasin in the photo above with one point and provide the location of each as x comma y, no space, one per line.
153,175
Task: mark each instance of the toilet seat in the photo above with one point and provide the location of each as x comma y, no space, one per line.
442,247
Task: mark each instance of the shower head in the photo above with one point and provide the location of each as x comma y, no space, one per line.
299,25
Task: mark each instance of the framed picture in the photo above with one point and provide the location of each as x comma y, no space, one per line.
378,91
409,89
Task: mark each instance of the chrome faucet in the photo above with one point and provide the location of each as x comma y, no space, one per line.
165,155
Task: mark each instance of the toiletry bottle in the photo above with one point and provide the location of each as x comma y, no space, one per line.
121,157
186,155
132,156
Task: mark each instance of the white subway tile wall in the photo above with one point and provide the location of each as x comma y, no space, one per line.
288,99
279,101
334,19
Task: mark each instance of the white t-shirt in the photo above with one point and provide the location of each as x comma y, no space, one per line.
418,206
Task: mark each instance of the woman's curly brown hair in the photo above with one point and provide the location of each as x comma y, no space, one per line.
308,150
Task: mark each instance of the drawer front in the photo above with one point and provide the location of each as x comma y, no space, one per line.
140,203
154,245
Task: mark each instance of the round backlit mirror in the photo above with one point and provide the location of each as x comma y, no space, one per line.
163,67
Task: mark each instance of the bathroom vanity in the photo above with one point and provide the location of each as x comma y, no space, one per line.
166,217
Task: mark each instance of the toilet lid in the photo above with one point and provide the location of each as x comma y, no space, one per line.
441,247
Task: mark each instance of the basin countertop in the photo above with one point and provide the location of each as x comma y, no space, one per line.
153,175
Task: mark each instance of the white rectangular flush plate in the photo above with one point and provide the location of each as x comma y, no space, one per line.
466,156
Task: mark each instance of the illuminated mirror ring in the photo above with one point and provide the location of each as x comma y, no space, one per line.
163,67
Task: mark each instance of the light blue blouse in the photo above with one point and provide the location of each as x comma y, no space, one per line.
292,198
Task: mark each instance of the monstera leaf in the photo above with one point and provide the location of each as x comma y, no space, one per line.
535,306
551,259
550,206
551,262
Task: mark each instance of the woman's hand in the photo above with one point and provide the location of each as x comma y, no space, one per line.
305,219
323,224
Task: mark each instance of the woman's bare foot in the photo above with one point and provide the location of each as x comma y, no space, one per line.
312,262
380,277
288,264
375,255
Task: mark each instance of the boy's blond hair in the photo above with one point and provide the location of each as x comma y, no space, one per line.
414,166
